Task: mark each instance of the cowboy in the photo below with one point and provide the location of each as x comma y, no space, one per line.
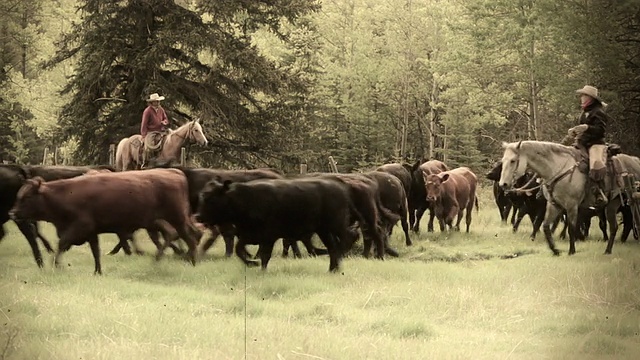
154,123
590,136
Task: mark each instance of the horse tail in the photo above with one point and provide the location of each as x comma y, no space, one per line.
120,153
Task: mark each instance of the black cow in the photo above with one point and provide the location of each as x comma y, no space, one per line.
502,201
199,177
394,198
366,195
417,196
262,211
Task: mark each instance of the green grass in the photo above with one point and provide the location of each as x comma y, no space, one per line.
450,296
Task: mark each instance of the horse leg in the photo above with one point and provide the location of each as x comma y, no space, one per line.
550,216
572,223
612,210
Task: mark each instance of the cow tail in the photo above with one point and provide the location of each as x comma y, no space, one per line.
477,207
389,217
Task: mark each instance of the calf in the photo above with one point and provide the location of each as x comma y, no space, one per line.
262,211
82,207
452,192
417,196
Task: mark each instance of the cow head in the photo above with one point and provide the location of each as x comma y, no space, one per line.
494,174
433,185
28,201
513,164
213,202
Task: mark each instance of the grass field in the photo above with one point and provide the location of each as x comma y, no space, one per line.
450,296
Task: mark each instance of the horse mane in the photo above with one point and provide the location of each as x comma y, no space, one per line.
547,148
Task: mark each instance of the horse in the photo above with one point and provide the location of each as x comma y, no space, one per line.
128,150
564,187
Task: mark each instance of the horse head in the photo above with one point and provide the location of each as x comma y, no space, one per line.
514,164
196,132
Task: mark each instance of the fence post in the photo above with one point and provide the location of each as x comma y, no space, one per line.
333,165
44,156
183,156
112,154
303,168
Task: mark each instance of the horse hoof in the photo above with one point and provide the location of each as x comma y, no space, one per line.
572,253
607,252
556,252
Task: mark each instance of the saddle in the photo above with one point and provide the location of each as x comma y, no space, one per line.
152,144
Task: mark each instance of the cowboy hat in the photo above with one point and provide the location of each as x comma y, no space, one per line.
155,97
590,91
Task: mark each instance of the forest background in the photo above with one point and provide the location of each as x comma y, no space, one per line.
283,82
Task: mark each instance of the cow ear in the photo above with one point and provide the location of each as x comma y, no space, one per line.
36,182
444,177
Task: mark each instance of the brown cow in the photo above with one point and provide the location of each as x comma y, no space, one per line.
452,192
168,232
85,206
417,196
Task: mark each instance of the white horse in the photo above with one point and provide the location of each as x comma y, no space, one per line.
128,150
564,187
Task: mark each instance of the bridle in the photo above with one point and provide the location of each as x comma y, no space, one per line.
546,185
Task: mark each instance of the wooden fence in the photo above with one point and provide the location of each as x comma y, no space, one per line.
49,158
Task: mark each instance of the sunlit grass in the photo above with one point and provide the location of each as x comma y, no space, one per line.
485,295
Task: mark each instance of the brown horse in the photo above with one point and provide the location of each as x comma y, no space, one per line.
128,153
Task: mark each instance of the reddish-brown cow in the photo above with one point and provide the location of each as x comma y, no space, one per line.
452,192
83,207
417,196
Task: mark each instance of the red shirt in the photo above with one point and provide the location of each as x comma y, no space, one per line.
152,120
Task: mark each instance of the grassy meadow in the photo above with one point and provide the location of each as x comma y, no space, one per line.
490,294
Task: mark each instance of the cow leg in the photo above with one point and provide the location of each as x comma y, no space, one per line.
627,220
611,211
550,216
516,209
419,213
405,229
188,233
537,221
459,220
265,251
412,216
122,244
95,250
215,231
602,223
432,216
296,249
29,232
286,244
241,252
505,212
46,243
522,211
335,253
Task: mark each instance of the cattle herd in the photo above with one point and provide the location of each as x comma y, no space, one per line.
257,207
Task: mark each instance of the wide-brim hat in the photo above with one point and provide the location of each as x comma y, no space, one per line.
590,91
155,97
